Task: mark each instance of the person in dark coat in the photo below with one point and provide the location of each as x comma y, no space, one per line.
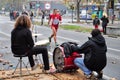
22,42
31,16
11,15
105,21
43,16
96,22
94,51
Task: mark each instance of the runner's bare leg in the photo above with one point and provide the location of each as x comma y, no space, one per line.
54,34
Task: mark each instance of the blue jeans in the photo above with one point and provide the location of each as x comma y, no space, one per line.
80,63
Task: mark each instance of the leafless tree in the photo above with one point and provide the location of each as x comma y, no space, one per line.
78,7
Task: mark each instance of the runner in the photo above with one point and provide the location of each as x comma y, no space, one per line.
54,20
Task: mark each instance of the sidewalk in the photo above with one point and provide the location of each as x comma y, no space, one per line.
39,75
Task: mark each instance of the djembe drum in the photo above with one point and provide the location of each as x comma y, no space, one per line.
63,63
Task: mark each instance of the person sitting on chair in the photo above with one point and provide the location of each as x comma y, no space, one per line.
94,51
22,42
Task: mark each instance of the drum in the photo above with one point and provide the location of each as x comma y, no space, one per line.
63,63
44,43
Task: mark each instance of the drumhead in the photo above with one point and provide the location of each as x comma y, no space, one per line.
58,58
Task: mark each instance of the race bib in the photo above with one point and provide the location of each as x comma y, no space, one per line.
55,21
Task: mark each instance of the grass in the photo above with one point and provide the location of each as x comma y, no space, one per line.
69,27
76,28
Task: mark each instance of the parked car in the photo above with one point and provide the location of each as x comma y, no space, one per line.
84,15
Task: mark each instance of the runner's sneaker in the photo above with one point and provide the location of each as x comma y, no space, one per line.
56,44
49,39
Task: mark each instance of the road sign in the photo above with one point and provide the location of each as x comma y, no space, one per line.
106,0
47,6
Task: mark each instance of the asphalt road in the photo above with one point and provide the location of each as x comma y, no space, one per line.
113,63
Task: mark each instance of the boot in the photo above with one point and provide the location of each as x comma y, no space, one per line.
100,75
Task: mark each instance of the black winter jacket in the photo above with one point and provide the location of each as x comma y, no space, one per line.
105,21
96,21
21,40
95,53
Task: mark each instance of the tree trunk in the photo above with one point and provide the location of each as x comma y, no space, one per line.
78,7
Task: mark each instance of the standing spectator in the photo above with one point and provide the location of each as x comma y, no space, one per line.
54,20
11,15
31,16
22,42
96,22
14,14
43,16
17,14
105,21
113,18
94,51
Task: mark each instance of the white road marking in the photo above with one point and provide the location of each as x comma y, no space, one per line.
68,39
114,49
8,35
4,22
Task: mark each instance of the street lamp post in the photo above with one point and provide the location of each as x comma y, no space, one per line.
112,6
86,10
72,8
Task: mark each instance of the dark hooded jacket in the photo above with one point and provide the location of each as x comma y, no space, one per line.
21,40
95,53
105,21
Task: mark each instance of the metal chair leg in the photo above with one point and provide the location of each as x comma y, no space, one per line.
20,61
16,67
36,59
26,68
20,66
